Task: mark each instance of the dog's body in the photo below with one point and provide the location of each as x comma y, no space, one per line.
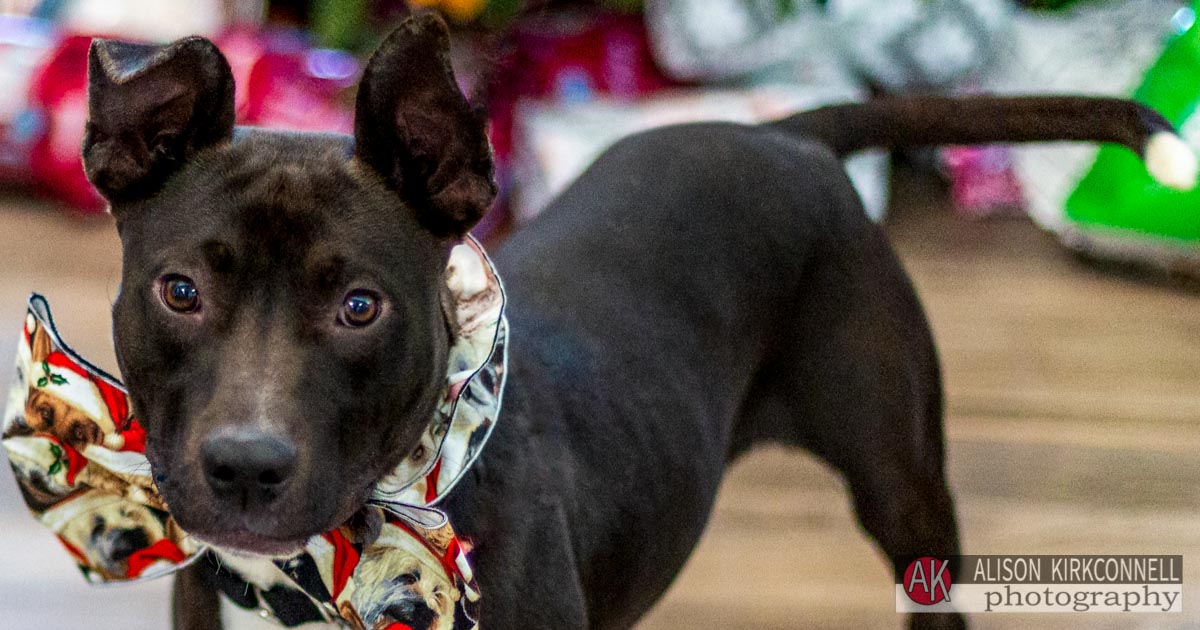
701,290
664,326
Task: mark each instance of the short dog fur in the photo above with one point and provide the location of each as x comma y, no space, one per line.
701,290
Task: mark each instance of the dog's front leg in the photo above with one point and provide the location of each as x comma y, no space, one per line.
195,604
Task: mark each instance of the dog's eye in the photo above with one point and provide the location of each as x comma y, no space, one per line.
359,308
408,579
179,293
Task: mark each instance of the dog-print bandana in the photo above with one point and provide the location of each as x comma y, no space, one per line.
78,452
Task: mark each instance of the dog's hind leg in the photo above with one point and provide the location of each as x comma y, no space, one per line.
910,515
853,377
195,604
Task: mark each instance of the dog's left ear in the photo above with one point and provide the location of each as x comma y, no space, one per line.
150,109
414,127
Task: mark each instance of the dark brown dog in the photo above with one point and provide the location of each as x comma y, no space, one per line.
699,291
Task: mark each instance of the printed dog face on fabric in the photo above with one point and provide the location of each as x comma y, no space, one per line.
62,399
426,599
414,574
471,402
78,453
78,456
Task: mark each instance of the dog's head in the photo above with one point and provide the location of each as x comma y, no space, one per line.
280,321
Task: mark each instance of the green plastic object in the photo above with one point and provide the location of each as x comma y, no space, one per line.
1117,210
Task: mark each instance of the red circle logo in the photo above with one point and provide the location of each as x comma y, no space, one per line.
927,581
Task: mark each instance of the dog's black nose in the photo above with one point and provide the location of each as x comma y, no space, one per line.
123,542
247,464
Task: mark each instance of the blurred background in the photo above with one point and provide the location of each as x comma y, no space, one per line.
1062,283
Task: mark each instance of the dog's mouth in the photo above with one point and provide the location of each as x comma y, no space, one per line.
250,535
245,542
279,529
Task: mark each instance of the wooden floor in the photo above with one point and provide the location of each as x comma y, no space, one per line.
1074,427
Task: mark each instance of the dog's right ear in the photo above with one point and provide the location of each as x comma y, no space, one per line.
150,109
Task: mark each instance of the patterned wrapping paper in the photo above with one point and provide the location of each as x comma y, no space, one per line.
79,457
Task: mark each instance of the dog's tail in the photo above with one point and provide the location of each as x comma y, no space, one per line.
933,120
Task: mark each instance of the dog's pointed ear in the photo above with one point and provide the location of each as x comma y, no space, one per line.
414,128
40,345
150,109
